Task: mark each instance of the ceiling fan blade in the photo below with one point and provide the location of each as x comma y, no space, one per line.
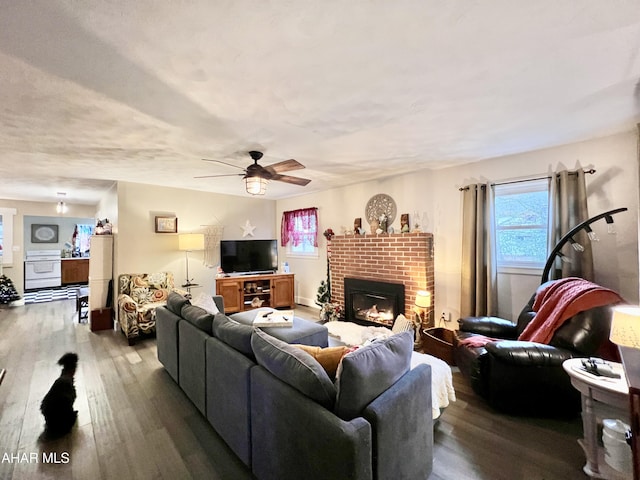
223,175
224,163
289,179
285,166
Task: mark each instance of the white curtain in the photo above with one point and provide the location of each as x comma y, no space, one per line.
568,208
479,294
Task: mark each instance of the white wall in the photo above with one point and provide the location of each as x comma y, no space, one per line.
436,192
615,184
337,208
140,250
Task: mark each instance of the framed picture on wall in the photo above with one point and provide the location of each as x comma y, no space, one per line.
166,225
44,233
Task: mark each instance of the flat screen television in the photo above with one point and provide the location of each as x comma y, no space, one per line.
248,256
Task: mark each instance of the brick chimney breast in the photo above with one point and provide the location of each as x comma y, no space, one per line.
405,258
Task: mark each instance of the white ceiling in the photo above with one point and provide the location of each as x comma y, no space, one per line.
97,91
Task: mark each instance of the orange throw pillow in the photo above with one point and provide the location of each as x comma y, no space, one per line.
328,357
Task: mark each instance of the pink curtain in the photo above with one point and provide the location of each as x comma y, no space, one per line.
298,225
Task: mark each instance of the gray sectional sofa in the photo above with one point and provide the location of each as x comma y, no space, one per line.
280,412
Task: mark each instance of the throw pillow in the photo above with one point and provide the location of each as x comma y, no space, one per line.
294,367
205,302
402,324
368,371
328,357
175,302
234,334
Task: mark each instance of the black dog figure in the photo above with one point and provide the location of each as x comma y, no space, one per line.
57,405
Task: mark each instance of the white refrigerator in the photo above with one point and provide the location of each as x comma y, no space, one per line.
100,271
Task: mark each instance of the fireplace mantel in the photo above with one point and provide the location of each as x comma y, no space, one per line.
405,258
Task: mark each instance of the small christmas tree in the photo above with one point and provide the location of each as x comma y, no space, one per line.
324,294
324,290
8,292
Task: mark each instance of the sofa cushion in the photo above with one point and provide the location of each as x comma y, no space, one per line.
234,334
294,367
198,317
328,357
175,302
205,302
370,370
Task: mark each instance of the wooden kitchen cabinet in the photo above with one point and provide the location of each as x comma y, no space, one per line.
75,270
245,292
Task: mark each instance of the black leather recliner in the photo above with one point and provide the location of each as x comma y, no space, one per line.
523,377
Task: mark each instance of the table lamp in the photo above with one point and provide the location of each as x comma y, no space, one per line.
423,303
625,326
190,242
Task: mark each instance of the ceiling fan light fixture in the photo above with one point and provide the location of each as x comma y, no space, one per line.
255,185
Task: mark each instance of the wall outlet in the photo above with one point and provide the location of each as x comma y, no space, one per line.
445,317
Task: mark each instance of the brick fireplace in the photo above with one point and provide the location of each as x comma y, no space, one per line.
405,258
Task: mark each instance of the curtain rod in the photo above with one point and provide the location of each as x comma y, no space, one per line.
591,171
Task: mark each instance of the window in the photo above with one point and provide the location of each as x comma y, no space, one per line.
299,231
521,213
84,233
6,235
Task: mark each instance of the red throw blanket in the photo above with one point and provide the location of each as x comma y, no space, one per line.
560,301
555,304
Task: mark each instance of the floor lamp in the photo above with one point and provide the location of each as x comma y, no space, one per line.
190,242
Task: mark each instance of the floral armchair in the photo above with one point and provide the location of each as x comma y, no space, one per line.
139,294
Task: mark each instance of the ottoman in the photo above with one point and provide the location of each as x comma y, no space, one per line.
303,331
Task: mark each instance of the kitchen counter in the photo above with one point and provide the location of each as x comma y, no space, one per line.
75,258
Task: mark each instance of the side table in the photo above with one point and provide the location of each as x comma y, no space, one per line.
189,286
602,397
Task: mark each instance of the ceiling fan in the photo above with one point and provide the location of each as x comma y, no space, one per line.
256,176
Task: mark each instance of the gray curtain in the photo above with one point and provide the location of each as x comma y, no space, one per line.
568,208
479,295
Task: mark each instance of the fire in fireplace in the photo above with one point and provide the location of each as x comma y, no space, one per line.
370,302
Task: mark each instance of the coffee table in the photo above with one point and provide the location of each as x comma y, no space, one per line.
602,397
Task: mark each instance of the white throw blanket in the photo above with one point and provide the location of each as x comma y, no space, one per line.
442,391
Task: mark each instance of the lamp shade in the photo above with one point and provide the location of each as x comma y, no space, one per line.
423,299
190,241
625,327
256,185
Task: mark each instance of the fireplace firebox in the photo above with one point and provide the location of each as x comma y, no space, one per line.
371,302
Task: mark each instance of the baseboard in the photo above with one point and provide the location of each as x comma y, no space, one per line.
307,302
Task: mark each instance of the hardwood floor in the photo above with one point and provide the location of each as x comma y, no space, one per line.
135,422
472,441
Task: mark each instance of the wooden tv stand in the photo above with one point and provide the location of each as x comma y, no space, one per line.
275,290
